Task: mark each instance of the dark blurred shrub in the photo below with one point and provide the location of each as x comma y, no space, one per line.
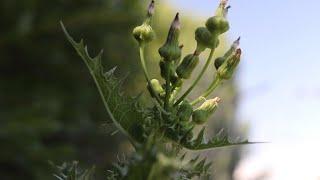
49,108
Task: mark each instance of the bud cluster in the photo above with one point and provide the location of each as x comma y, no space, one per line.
171,120
207,37
178,117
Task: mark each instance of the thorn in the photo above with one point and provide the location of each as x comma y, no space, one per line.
220,132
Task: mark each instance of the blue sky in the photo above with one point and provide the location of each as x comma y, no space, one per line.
279,80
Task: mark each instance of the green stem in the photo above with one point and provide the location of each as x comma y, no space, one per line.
146,74
197,80
168,88
215,83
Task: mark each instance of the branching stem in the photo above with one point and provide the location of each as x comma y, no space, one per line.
146,74
168,88
215,83
197,80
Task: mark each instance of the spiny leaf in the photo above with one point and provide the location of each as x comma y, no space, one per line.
200,142
194,160
72,172
121,109
201,137
200,165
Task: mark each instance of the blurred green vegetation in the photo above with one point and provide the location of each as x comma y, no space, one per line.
49,105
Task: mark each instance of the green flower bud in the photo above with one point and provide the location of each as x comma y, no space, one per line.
202,113
171,50
205,39
164,69
144,33
187,65
218,23
220,60
185,111
227,69
170,68
155,84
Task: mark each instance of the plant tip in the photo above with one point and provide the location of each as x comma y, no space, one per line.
224,2
217,99
236,43
151,8
176,22
176,18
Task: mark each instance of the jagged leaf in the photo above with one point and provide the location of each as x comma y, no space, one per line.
200,143
72,172
195,168
122,110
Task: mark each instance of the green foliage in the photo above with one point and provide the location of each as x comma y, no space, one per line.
123,111
150,129
72,172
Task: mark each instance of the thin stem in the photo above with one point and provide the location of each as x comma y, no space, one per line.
168,88
146,74
198,78
215,83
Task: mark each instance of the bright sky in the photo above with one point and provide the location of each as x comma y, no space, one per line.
279,82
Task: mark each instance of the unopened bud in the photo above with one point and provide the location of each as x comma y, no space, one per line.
226,70
187,66
157,88
219,24
185,111
220,60
144,33
202,113
171,50
205,39
233,48
166,69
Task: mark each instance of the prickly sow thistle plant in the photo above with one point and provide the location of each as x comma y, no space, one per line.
160,132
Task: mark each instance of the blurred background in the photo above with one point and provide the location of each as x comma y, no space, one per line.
50,108
278,84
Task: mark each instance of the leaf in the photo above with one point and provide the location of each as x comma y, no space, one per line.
72,172
199,143
122,110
